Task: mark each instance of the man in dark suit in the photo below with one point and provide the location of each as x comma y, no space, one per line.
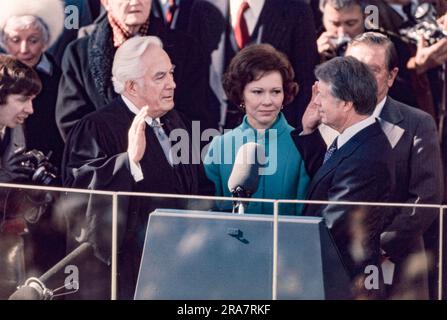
223,27
358,166
125,147
413,136
175,13
85,11
86,83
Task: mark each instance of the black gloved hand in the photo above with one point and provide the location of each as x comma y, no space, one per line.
14,168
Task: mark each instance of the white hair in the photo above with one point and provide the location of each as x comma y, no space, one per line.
25,22
50,13
127,64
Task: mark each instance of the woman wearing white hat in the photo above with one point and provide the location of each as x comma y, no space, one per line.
27,29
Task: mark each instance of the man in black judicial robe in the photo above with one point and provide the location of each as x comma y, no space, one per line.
86,84
117,148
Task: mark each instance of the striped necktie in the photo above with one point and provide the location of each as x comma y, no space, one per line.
171,11
241,29
163,139
330,151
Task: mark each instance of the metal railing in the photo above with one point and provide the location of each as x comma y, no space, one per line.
116,196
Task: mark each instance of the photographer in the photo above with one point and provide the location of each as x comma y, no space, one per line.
28,236
420,59
19,84
342,21
27,29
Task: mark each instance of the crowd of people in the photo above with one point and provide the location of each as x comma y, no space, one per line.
344,111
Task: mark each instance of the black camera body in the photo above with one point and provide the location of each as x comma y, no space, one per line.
425,26
340,45
427,30
44,173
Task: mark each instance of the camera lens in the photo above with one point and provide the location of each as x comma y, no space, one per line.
44,172
44,177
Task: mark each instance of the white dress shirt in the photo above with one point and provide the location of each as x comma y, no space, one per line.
251,15
399,8
2,132
330,134
45,65
165,7
379,108
353,130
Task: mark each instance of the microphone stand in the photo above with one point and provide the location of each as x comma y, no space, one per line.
35,288
240,206
36,283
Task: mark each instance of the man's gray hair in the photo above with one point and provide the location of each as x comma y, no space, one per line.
350,80
127,64
341,4
378,39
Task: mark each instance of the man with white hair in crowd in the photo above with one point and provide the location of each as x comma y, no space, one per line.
124,146
86,83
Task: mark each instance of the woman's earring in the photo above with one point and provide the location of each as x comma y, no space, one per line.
242,106
282,107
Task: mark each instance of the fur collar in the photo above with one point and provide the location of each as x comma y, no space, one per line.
100,57
101,52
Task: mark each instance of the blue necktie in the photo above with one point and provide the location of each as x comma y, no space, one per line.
330,151
163,139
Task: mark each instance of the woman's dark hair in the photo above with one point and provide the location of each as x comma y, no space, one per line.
250,64
17,78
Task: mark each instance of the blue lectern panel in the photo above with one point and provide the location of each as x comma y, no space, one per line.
203,255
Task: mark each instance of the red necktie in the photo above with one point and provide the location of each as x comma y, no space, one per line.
171,11
241,29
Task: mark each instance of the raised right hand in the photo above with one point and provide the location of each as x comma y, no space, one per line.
311,117
137,137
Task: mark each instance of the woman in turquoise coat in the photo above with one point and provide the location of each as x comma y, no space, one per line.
260,81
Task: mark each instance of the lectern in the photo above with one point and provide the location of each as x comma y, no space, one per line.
213,255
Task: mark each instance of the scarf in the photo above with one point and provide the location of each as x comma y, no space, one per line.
121,32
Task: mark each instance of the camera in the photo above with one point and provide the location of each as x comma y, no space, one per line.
340,45
426,26
44,173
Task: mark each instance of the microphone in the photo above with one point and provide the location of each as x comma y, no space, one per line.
244,178
35,288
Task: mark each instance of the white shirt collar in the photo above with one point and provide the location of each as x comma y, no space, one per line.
2,132
251,15
45,65
399,8
379,108
353,130
165,2
134,109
